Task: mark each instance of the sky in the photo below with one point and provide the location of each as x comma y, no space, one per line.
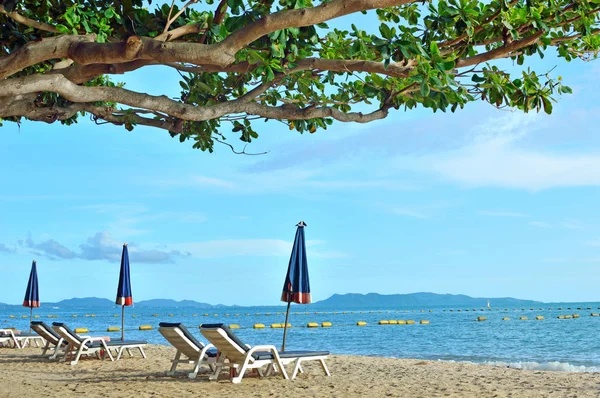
483,202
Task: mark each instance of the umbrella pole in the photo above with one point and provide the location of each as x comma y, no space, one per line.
122,322
287,314
30,316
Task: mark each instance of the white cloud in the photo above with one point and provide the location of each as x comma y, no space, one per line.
408,212
496,158
501,213
540,224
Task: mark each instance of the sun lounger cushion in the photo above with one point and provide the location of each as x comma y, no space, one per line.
211,352
112,343
47,329
261,354
290,354
116,343
230,334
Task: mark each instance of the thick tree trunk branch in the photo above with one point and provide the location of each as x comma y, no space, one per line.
39,51
82,94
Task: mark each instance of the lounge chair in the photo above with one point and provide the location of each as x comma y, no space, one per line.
241,357
95,345
188,346
53,340
19,340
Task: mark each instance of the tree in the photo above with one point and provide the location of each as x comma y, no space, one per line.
245,60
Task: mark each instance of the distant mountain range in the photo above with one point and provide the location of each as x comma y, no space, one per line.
350,300
374,300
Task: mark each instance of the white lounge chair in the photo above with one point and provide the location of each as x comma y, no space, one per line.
187,346
95,345
53,340
234,354
19,340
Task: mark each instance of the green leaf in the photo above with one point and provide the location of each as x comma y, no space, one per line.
424,88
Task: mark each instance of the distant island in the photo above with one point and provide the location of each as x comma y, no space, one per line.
374,300
349,300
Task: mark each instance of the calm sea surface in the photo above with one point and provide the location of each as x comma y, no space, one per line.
552,343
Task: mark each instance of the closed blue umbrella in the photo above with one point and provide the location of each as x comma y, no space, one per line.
296,288
32,294
124,297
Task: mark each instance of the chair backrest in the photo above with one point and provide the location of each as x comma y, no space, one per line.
181,338
225,340
70,336
45,331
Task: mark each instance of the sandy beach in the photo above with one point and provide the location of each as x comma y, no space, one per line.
24,373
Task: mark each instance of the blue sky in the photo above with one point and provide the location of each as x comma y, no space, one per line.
482,202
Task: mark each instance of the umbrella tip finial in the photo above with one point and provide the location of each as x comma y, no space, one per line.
124,244
301,224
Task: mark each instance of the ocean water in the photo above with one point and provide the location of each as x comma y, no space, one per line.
550,344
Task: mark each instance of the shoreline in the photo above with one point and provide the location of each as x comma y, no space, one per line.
25,373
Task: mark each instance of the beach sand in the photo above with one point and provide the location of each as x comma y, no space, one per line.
25,373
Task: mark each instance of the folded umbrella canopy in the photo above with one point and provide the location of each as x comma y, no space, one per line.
296,287
124,297
32,294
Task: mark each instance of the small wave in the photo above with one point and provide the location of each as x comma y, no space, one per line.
551,366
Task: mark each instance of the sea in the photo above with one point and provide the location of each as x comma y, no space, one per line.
451,334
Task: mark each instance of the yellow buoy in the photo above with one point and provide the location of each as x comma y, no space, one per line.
74,315
594,314
325,324
276,325
87,315
401,322
170,315
145,327
154,314
410,322
24,316
36,316
575,315
93,315
539,318
233,314
384,322
361,323
12,316
194,314
481,318
523,318
259,326
226,314
116,315
392,322
312,325
424,322
113,329
81,330
506,318
234,326
204,314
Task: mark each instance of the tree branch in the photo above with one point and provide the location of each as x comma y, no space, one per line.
500,52
83,94
28,22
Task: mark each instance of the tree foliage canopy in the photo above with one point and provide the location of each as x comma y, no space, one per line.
242,61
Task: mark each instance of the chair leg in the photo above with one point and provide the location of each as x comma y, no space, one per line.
197,365
142,352
171,371
324,366
297,368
